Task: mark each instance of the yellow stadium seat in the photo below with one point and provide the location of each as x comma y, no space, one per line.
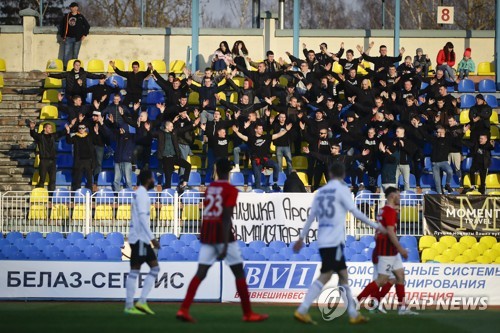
194,98
448,240
152,213
442,259
493,180
160,66
69,66
460,247
222,82
495,133
37,212
497,260
51,83
483,260
195,161
40,127
233,98
426,242
177,66
79,212
493,254
408,214
440,247
103,212
238,80
59,212
303,178
496,247
468,240
50,96
471,253
2,83
191,212
36,179
49,112
451,253
167,213
37,161
197,147
480,247
494,117
299,162
461,260
142,65
120,64
95,66
467,135
486,68
272,148
473,193
337,68
488,240
54,66
39,195
464,117
222,96
361,70
0,96
123,212
283,81
3,66
429,254
494,193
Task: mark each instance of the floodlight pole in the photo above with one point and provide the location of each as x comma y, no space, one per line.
497,43
296,27
41,13
195,33
397,14
383,14
142,13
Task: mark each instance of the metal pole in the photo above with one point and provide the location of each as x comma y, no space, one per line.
281,14
383,14
497,43
255,14
195,33
41,13
296,27
142,13
397,14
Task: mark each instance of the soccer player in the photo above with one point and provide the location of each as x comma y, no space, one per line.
330,206
140,239
389,252
218,242
385,288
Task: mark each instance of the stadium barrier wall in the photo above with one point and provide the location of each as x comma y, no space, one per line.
258,216
128,43
99,280
270,282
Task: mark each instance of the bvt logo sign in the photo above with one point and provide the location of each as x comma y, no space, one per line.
279,276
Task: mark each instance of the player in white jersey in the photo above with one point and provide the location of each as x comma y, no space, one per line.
140,239
330,206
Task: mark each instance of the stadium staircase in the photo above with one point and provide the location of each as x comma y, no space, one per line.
20,101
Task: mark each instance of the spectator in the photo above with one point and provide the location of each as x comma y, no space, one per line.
239,54
324,57
260,144
119,110
389,161
441,146
466,65
406,151
348,63
446,60
101,92
46,143
99,144
207,98
479,117
481,161
454,129
319,153
293,184
76,79
135,79
421,60
220,57
184,128
382,62
72,110
73,30
282,144
143,139
83,156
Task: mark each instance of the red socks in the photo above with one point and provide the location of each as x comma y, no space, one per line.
242,288
400,292
370,290
191,292
385,289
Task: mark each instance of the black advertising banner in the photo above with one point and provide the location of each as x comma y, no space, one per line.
461,215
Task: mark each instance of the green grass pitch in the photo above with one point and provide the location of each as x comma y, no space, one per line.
75,317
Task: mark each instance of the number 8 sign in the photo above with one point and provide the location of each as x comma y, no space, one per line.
445,14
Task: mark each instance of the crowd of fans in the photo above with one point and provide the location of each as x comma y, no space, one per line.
377,123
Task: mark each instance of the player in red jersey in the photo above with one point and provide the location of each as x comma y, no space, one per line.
218,243
389,251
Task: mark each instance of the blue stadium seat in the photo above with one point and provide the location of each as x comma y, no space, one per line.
194,179
487,86
315,257
72,237
13,235
281,179
192,256
164,253
195,245
408,241
257,257
426,181
297,257
430,192
57,256
247,252
153,113
367,240
186,251
367,252
496,151
90,250
241,243
29,249
314,245
155,97
105,178
150,84
42,243
167,197
258,190
77,256
102,243
125,196
82,243
427,165
491,100
36,256
20,243
277,257
63,178
349,239
49,250
53,236
348,253
64,161
177,245
257,245
495,165
108,163
307,252
191,197
466,86
104,196
92,82
61,196
167,239
466,164
17,256
267,252
61,243
3,242
121,82
175,257
98,256
116,239
358,246
413,255
359,258
174,179
63,147
286,252
113,253
277,245
188,238
9,250
81,194
427,149
413,181
237,179
450,89
70,249
467,101
33,236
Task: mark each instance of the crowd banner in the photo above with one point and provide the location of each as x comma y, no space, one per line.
458,215
287,282
272,216
99,280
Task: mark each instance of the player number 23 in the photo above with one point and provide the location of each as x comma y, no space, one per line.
213,205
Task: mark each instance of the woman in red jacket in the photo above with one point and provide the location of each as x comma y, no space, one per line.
446,60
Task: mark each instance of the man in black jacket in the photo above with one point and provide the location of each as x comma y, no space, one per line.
382,62
481,161
73,29
134,81
479,116
76,80
441,145
83,156
46,142
293,184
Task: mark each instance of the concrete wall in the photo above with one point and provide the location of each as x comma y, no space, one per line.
171,44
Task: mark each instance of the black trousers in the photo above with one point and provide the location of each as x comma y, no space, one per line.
131,98
141,156
47,166
82,167
483,171
319,170
168,164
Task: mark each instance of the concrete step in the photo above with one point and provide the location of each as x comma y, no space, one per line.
14,105
21,98
22,90
33,75
15,187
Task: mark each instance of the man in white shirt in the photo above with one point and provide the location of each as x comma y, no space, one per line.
330,206
140,239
